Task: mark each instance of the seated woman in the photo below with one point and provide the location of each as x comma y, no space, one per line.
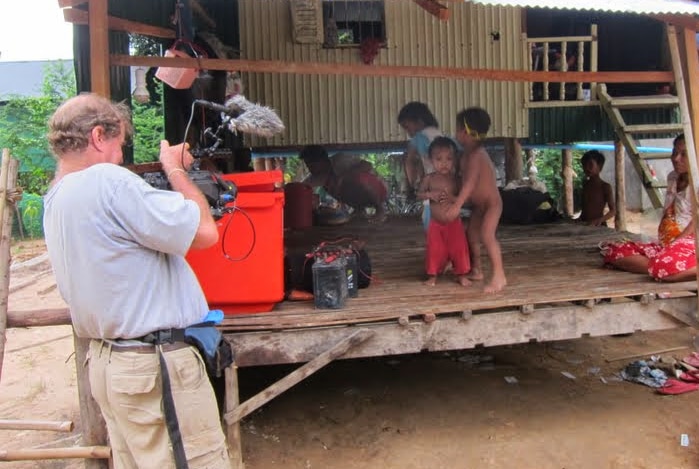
673,257
352,182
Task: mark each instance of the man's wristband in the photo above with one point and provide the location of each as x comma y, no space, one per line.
173,171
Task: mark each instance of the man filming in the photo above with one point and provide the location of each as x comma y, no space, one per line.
117,247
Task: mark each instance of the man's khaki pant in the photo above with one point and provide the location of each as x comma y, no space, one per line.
128,388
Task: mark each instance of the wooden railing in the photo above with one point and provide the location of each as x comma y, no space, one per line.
552,54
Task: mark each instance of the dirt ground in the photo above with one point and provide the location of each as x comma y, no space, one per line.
442,410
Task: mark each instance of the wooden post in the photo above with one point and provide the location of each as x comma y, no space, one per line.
235,449
513,160
93,426
99,47
567,173
8,181
593,59
620,184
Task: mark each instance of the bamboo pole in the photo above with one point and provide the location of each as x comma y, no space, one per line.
77,452
48,425
8,180
39,317
620,185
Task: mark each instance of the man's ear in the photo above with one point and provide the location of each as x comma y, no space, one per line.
97,136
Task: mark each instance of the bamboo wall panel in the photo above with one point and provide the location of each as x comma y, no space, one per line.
348,109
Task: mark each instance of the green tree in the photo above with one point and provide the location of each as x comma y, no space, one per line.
23,126
149,129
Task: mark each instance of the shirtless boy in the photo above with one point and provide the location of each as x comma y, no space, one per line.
479,187
446,240
596,193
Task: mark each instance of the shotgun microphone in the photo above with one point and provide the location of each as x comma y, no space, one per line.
229,111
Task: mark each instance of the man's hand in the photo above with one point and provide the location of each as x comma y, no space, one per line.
173,157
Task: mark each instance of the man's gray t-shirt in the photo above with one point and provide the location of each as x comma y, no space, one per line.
117,247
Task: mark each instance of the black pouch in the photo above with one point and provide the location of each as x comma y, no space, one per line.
214,349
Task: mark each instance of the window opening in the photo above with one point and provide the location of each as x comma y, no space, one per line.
349,22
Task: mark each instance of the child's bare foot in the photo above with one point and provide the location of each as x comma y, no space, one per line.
496,284
475,274
463,280
431,281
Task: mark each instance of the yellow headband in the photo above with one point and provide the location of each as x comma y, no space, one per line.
473,133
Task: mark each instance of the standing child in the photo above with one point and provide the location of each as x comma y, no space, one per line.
479,186
596,193
445,235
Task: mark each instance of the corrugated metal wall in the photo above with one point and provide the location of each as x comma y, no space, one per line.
348,109
589,123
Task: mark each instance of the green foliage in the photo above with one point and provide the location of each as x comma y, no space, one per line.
548,162
149,129
31,209
23,126
144,45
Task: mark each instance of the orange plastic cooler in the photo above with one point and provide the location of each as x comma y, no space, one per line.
244,271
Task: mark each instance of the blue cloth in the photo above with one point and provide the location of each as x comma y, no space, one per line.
205,338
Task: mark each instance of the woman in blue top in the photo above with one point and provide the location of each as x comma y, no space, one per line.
422,127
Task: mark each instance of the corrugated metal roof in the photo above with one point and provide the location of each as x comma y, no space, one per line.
646,7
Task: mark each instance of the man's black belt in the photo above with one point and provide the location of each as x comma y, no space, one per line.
163,336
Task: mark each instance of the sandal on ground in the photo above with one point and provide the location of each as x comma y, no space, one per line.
675,386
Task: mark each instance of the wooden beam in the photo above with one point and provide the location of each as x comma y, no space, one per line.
75,16
453,333
318,68
433,7
298,375
99,48
41,317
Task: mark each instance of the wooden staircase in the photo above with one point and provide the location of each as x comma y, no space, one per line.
626,134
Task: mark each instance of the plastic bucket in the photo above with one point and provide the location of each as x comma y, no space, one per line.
178,78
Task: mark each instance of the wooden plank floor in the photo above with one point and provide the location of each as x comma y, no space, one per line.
545,264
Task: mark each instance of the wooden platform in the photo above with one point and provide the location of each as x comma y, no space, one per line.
555,284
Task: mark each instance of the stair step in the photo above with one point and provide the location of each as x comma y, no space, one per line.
655,156
653,128
640,102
